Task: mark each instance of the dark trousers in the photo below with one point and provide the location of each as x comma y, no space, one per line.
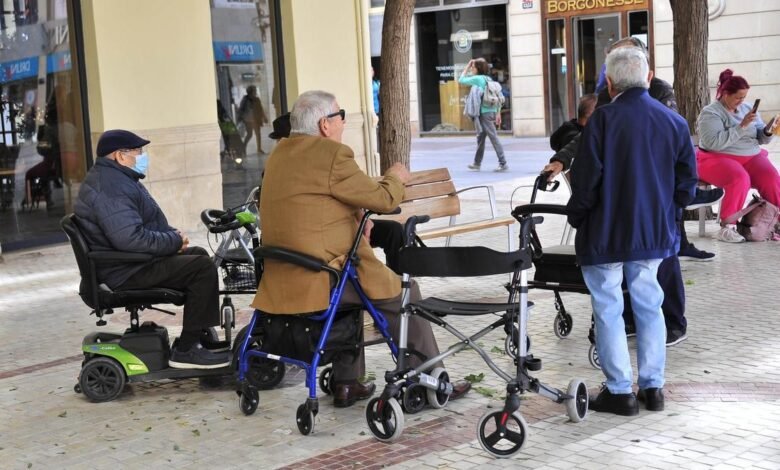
673,306
389,236
683,236
192,272
250,128
347,368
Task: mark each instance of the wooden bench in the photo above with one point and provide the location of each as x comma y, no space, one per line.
432,193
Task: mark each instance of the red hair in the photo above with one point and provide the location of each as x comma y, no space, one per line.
729,83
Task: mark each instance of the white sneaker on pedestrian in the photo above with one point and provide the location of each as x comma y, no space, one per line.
729,234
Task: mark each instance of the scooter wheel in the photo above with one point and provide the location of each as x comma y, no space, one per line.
102,379
385,419
77,388
502,444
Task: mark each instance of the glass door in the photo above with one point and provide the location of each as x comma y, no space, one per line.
592,38
557,73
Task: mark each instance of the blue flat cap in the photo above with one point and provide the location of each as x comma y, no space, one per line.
117,139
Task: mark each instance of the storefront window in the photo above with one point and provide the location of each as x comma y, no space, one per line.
42,151
247,99
446,41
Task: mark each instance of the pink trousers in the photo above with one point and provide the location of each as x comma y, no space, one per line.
736,175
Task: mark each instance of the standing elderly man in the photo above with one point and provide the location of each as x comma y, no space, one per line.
634,173
312,198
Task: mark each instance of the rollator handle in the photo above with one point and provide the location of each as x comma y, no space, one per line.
411,225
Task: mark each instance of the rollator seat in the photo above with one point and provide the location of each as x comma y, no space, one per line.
442,308
558,265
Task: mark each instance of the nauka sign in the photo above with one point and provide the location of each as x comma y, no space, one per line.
230,51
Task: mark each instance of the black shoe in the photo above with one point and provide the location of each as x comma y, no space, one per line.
674,337
691,253
653,398
623,404
211,345
198,357
705,197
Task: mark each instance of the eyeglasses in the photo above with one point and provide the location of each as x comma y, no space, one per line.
340,112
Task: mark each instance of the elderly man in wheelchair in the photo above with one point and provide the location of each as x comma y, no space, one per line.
312,198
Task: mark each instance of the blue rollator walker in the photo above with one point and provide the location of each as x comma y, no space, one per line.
259,368
502,433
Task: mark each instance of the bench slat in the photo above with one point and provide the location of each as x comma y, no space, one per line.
424,191
429,176
465,228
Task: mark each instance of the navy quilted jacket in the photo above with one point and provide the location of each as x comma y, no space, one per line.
116,212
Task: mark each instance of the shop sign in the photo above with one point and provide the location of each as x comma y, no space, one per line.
528,4
462,40
234,4
567,6
58,62
230,51
19,69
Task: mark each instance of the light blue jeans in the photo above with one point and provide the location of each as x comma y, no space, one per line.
604,282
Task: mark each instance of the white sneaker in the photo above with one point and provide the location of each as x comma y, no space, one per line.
729,234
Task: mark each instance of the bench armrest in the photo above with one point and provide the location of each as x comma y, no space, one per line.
106,257
491,198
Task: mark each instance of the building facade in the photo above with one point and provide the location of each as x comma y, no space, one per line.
176,72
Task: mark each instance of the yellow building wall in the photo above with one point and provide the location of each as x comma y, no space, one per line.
324,50
150,70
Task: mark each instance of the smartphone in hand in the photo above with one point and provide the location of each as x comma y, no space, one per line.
755,106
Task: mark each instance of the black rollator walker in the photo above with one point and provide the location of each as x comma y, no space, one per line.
270,341
501,433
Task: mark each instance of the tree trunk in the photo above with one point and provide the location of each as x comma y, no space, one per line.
691,33
394,130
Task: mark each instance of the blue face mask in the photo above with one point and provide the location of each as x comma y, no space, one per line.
141,163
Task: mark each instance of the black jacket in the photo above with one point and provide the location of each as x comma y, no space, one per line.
116,212
659,90
564,134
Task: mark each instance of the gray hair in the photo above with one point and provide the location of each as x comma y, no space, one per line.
308,110
627,67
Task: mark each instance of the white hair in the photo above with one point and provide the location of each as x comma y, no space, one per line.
627,67
308,110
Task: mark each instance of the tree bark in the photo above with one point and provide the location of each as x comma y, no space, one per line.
394,129
691,34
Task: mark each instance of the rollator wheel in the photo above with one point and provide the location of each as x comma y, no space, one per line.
385,419
577,407
562,325
265,374
511,348
593,357
102,379
248,399
304,418
325,377
414,398
497,444
435,398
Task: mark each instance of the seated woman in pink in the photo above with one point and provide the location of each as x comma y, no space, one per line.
729,155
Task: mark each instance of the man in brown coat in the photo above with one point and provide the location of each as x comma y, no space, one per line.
313,195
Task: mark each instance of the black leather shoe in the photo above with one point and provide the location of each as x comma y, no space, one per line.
652,397
460,388
345,395
623,404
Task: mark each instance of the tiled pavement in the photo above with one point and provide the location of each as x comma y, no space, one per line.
723,391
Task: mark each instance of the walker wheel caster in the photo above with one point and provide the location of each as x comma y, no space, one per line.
577,407
385,419
436,398
510,347
304,419
414,398
502,443
562,325
325,377
593,357
248,399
